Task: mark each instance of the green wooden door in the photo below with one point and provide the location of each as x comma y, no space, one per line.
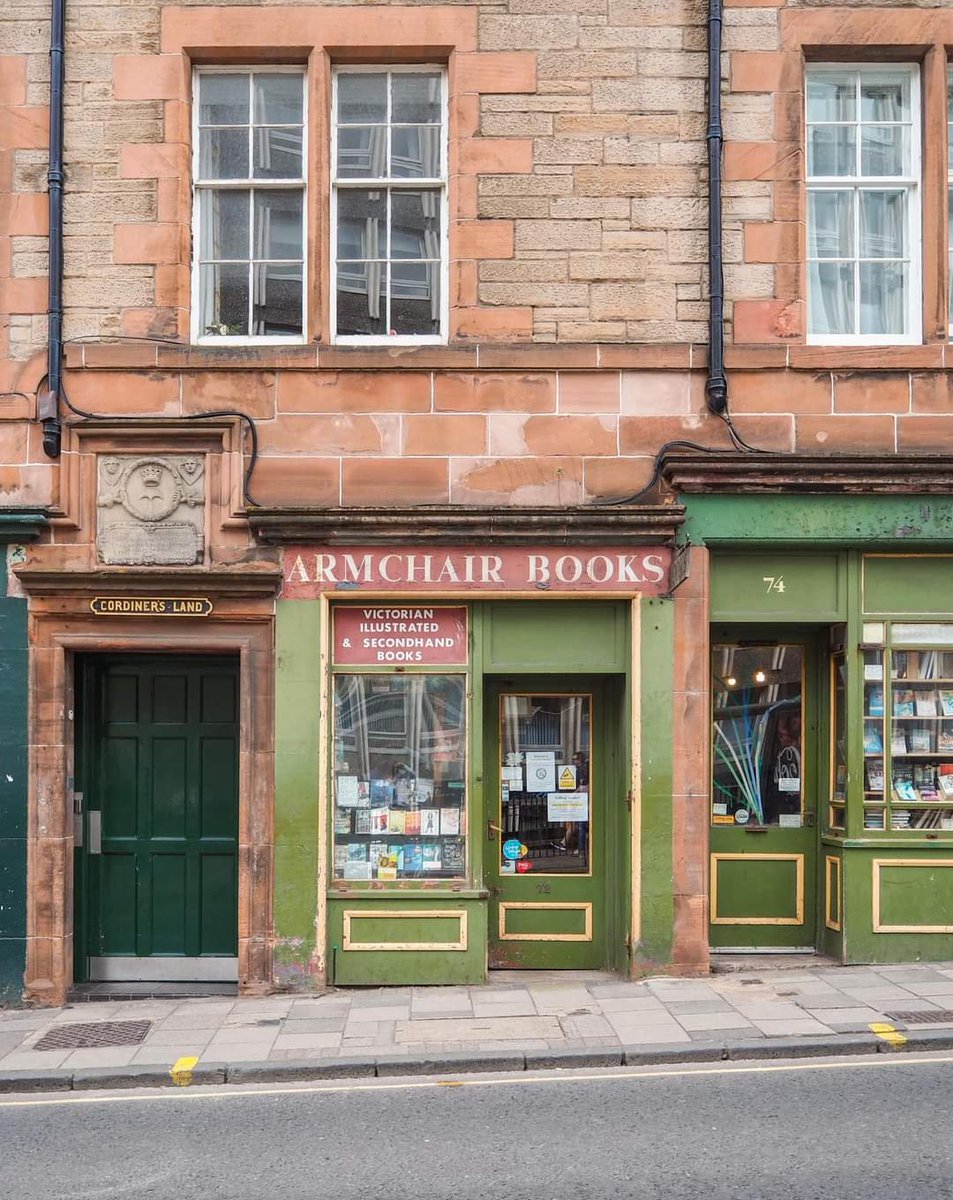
548,775
159,769
768,772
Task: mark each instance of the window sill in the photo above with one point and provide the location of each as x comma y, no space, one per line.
410,887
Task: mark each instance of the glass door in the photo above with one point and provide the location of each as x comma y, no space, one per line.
765,733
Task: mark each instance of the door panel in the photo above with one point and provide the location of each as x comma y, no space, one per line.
767,719
159,761
547,783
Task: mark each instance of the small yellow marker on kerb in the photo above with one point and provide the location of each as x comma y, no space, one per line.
182,1071
888,1034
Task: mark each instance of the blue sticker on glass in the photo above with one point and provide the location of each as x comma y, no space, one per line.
512,848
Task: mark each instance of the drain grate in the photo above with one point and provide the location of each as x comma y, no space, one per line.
936,1016
87,1037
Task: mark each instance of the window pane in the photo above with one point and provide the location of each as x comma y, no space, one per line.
362,298
362,98
415,152
415,99
362,218
279,99
278,230
885,97
831,97
950,249
415,225
831,298
830,224
224,299
223,99
277,300
277,153
415,298
399,777
882,150
883,300
882,224
223,224
362,152
831,150
223,153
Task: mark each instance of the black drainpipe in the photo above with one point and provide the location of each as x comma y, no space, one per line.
716,389
49,410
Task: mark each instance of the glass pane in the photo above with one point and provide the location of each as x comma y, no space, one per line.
362,98
545,785
362,220
279,99
223,153
882,149
756,697
415,99
415,152
362,299
882,232
223,224
873,737
831,150
399,777
415,298
277,153
224,299
277,299
278,228
831,97
830,298
415,225
885,97
362,152
830,224
223,99
883,300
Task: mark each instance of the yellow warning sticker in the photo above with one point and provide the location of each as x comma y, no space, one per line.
567,779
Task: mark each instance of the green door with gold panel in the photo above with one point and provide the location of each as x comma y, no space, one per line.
769,781
551,787
157,873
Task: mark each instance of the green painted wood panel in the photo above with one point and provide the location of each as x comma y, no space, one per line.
920,585
749,888
555,636
160,762
409,929
916,895
778,586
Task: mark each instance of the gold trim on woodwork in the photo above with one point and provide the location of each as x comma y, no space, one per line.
832,891
797,859
585,907
877,863
370,914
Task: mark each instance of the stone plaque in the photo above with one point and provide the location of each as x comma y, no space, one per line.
150,510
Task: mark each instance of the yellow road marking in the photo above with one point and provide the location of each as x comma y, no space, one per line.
182,1071
232,1092
887,1033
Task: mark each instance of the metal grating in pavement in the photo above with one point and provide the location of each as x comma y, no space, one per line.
87,1037
936,1016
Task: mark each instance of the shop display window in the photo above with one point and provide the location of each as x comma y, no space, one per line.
837,816
920,748
874,754
399,785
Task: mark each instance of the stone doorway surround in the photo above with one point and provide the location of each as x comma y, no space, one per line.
62,625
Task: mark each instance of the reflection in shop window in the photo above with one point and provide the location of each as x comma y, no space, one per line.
757,735
399,777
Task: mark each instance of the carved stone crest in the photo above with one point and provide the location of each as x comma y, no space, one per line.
150,509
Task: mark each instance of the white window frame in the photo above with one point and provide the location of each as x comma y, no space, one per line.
912,184
198,336
392,183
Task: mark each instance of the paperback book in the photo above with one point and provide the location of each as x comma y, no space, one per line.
904,703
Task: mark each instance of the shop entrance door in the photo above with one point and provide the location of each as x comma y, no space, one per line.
157,819
548,776
768,723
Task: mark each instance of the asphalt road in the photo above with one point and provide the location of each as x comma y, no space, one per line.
808,1131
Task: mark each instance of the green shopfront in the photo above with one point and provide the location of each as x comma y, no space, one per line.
831,652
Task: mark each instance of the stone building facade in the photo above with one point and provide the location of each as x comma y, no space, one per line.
572,354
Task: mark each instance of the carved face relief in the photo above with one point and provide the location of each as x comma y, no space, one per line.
150,509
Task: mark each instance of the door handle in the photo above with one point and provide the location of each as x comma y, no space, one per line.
95,832
492,830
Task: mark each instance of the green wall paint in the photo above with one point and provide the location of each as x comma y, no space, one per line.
13,790
783,586
297,741
916,586
561,635
908,896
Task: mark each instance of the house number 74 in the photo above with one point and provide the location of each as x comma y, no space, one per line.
775,583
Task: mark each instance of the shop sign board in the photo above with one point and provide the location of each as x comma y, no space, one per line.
388,634
151,606
310,572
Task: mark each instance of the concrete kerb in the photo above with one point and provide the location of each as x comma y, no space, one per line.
394,1066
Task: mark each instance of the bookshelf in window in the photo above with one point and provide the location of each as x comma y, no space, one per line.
920,747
